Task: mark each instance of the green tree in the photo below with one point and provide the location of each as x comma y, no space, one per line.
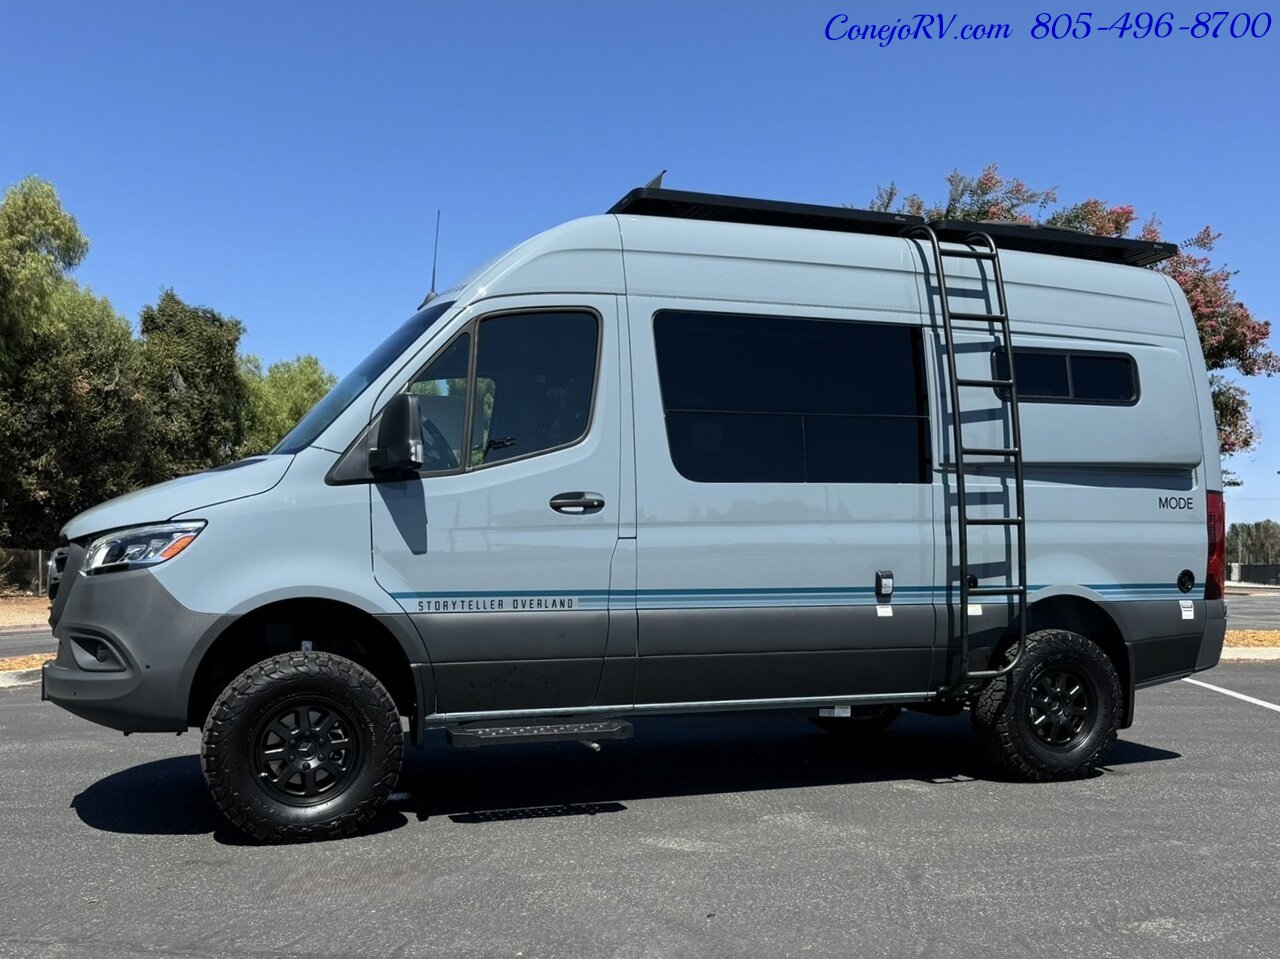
75,423
193,382
279,398
1232,338
39,244
1254,542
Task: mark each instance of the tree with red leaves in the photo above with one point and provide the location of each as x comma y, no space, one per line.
1230,335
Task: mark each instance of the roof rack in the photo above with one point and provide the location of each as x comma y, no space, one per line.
683,205
1055,241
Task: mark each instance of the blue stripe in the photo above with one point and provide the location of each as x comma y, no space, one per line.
503,593
782,596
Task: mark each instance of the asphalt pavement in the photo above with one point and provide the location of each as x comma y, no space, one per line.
21,642
1256,611
710,837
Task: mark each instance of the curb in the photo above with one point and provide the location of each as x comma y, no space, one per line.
1257,654
24,629
19,677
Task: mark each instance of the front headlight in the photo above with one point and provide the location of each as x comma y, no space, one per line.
138,546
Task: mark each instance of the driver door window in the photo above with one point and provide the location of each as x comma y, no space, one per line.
536,373
533,390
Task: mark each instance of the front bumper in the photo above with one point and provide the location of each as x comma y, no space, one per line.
124,649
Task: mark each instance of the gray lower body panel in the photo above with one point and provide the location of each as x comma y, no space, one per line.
149,635
515,660
763,653
782,675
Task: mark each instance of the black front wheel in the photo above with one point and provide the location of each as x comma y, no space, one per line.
1056,713
302,746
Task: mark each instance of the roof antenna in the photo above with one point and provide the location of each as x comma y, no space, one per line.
656,182
435,256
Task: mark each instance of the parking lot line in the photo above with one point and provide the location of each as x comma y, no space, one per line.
1228,692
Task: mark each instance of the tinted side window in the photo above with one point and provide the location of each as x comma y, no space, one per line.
535,377
791,400
1105,379
1050,376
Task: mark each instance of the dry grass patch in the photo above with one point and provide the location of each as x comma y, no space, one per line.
1253,637
34,661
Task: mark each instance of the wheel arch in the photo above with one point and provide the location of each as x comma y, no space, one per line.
1084,616
381,644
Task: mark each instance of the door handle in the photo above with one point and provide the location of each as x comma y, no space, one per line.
577,503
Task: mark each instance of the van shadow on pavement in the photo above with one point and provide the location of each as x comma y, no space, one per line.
669,756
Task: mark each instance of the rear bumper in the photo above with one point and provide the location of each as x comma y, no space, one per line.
124,644
1173,655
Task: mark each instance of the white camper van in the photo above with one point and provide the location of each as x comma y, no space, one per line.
698,453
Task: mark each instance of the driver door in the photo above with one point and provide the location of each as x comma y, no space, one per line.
500,549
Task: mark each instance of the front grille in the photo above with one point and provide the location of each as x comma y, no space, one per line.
57,565
66,579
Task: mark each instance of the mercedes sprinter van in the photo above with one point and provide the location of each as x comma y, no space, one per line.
699,453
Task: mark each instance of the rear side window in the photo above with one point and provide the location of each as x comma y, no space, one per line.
1063,376
792,400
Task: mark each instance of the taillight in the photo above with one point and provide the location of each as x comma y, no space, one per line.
1216,577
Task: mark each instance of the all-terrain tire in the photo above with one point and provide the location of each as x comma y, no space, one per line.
861,722
1055,714
304,745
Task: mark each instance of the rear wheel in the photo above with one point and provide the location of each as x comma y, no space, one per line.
302,746
1056,713
861,721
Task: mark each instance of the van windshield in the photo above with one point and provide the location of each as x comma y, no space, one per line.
354,383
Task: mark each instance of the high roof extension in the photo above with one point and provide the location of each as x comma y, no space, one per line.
1055,241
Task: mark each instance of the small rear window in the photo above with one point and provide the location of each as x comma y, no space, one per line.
1065,376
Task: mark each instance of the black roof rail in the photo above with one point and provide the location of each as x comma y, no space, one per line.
1055,241
683,205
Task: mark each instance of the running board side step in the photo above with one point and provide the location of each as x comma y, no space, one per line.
481,734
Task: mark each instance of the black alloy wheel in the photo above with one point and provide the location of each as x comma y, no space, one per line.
304,751
1061,707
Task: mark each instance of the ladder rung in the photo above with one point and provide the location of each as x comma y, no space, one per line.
971,254
990,451
991,383
985,317
997,590
993,520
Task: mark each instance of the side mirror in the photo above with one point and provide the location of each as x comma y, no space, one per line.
398,448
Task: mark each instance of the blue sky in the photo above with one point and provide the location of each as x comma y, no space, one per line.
283,162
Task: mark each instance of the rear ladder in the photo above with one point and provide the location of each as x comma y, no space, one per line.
980,247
